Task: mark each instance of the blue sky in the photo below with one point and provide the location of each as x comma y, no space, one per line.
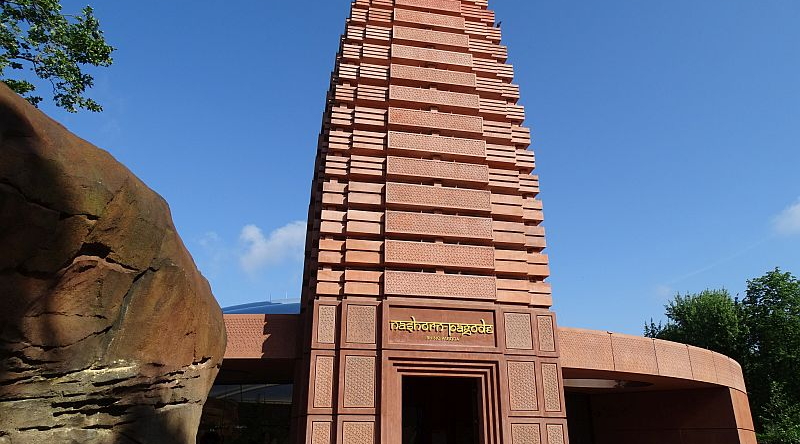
667,137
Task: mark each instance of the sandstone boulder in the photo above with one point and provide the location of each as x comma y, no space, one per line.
108,333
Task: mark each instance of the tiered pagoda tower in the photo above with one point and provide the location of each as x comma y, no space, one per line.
424,247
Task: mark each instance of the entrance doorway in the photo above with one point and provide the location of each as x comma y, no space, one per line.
441,410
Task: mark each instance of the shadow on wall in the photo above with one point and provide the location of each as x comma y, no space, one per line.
108,333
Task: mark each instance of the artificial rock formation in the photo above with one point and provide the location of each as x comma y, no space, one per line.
108,332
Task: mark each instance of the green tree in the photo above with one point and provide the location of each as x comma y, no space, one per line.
762,332
35,36
771,311
710,319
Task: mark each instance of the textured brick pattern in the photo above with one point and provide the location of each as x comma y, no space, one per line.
359,381
429,19
438,225
586,349
438,197
552,389
402,283
525,434
432,56
361,324
433,97
518,331
249,334
437,144
438,5
323,381
522,386
436,169
326,324
422,75
547,340
431,37
320,432
446,255
428,120
555,434
358,432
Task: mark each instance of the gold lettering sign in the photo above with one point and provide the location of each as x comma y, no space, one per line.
450,328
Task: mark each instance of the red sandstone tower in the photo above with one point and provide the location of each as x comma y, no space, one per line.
424,288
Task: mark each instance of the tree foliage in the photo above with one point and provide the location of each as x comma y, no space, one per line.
762,332
710,319
36,37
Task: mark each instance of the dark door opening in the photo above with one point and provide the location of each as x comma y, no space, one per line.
441,410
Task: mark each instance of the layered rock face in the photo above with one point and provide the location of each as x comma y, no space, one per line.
108,333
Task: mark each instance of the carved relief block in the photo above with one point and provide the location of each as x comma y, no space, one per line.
437,144
361,324
326,324
438,225
403,283
419,74
440,5
435,120
522,386
518,331
320,432
424,18
358,432
525,434
437,197
547,340
431,37
446,255
323,382
552,390
555,434
359,381
436,169
433,97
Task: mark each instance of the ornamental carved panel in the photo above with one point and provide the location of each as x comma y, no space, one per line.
436,169
361,324
518,331
436,144
359,381
358,432
427,196
547,340
522,385
407,283
555,434
552,391
323,382
525,434
320,432
326,324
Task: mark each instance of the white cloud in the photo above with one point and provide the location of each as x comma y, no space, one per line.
209,240
284,243
664,291
787,222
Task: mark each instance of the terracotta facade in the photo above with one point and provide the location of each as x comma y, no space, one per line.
424,258
424,248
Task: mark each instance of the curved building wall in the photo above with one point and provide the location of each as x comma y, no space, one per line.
652,391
